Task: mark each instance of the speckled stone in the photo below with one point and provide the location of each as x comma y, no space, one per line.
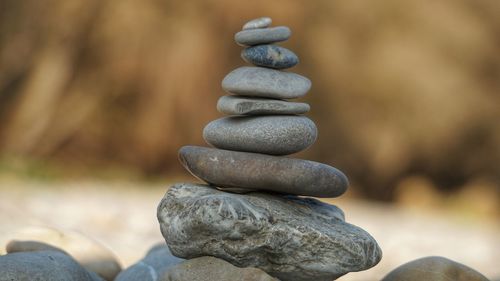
289,237
238,105
271,134
270,56
152,267
258,23
43,265
435,269
258,36
266,83
233,169
210,269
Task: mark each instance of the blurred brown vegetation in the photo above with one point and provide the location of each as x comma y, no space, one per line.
400,88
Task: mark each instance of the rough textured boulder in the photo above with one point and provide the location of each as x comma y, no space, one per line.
289,237
435,269
210,269
43,265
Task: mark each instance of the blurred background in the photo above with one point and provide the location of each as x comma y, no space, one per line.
406,94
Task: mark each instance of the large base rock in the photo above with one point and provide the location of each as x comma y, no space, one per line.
289,237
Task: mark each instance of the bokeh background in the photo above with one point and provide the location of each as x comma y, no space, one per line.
406,94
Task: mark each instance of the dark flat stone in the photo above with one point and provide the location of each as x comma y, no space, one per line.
234,169
270,56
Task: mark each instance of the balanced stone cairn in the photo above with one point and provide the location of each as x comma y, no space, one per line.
250,213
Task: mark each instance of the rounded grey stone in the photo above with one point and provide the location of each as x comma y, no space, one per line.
157,261
258,36
43,265
210,269
435,269
258,23
270,56
271,134
289,237
238,105
233,169
265,83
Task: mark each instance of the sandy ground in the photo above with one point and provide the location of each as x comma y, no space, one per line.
123,217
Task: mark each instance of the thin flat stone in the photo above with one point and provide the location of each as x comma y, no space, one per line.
258,36
270,56
270,134
258,23
233,169
435,269
291,238
238,105
211,269
265,83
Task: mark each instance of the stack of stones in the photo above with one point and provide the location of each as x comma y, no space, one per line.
253,212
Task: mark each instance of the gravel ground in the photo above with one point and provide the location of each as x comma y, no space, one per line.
123,217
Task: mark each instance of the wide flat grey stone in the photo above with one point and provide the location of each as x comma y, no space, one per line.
43,265
271,134
210,269
152,267
258,23
265,83
257,36
270,56
435,269
233,169
238,105
289,237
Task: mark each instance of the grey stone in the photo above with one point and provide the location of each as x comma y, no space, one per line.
265,83
258,36
89,253
210,269
270,56
238,105
289,237
258,23
435,269
233,169
272,134
151,268
43,265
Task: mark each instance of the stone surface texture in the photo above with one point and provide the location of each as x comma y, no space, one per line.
258,36
152,267
289,237
435,269
258,23
270,56
210,269
43,265
265,83
233,169
237,105
272,134
88,252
